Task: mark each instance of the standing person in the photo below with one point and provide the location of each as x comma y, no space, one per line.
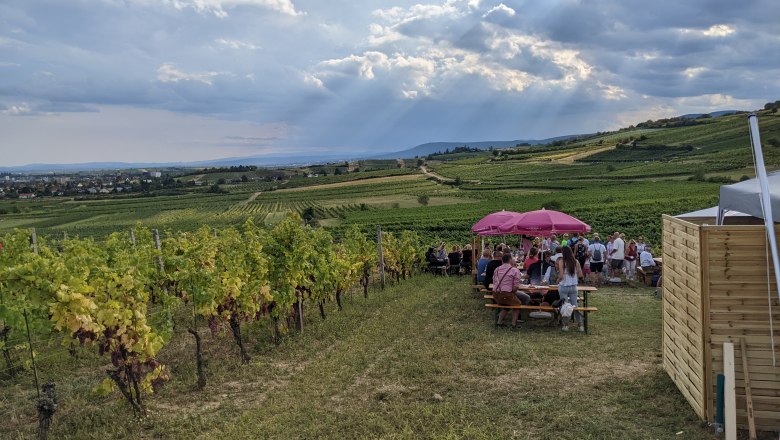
505,289
640,244
487,255
610,245
573,240
618,255
597,253
581,251
631,256
491,267
569,271
554,243
525,244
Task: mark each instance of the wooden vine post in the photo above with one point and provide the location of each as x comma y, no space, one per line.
32,355
381,256
159,248
34,241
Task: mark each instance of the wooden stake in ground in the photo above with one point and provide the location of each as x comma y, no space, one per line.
730,397
159,247
32,355
34,241
381,256
748,392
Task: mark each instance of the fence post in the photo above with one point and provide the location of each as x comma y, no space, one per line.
381,256
132,237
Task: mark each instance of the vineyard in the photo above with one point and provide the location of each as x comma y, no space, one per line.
124,297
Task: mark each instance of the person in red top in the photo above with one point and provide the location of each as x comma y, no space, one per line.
506,282
631,256
533,257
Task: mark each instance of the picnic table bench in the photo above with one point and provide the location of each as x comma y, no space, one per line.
585,309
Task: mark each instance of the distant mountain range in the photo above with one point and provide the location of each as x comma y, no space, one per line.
276,160
263,161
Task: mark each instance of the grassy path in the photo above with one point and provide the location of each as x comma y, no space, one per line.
419,360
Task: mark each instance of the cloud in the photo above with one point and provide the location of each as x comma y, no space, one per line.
20,109
349,75
500,9
236,44
168,73
218,7
719,30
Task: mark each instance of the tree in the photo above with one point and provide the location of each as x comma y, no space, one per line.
244,178
458,181
221,181
423,199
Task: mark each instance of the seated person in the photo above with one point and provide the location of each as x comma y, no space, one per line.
482,265
454,259
491,267
505,289
646,260
434,262
465,261
539,272
531,258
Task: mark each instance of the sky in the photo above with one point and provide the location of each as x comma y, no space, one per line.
186,80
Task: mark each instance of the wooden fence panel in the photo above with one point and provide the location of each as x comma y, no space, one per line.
683,317
736,275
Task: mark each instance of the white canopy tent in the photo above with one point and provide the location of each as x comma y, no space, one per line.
712,213
745,197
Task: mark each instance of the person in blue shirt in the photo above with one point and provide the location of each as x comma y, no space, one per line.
482,265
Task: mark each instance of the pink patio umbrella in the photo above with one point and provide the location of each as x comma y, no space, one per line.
542,223
490,223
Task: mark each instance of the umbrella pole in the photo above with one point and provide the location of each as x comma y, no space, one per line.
474,260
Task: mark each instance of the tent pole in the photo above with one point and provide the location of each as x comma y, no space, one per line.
766,206
766,202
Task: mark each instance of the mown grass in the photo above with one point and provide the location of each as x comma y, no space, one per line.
418,360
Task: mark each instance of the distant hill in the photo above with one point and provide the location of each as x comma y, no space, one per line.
263,161
423,150
712,115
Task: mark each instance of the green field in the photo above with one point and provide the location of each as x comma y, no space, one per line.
625,188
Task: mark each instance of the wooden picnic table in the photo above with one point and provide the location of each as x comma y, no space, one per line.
584,289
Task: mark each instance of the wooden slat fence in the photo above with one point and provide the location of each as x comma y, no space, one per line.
715,291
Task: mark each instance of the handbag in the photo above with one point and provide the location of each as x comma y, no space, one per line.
506,298
567,309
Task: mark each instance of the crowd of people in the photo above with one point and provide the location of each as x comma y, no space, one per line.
567,261
613,258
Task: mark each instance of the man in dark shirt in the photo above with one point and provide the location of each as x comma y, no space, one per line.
491,267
